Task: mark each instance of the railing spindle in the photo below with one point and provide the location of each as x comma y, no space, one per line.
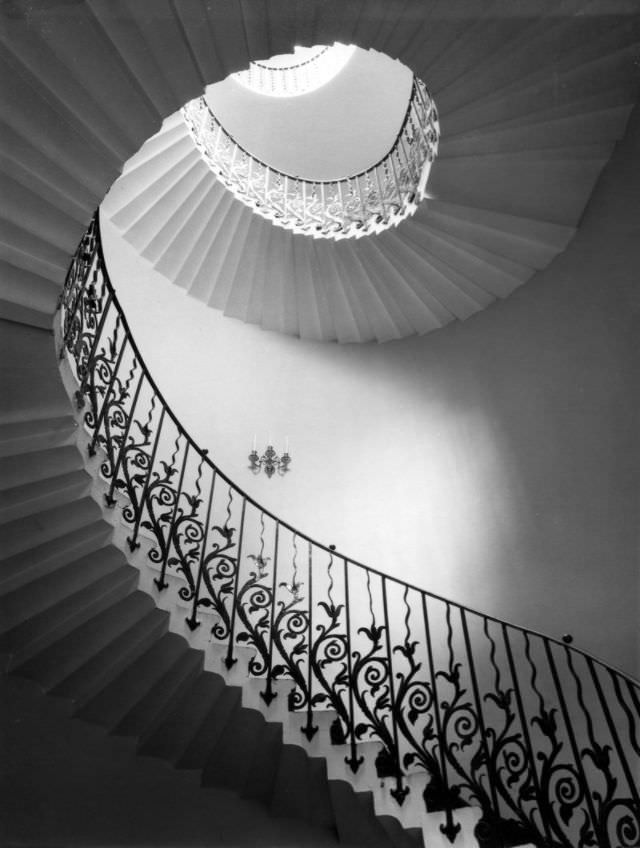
230,660
564,792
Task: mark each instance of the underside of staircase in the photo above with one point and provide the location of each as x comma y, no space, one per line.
75,623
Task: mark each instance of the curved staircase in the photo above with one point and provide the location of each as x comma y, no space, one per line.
74,622
87,86
515,168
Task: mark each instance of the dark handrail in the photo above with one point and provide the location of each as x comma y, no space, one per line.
542,736
363,173
376,197
310,61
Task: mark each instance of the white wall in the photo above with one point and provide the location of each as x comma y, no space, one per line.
336,131
494,462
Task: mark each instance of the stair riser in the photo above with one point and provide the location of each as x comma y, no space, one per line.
410,814
28,437
24,535
84,683
32,565
112,703
35,498
52,589
159,703
201,746
16,656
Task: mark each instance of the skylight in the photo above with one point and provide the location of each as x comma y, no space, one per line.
293,74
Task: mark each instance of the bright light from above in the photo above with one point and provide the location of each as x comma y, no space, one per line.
293,74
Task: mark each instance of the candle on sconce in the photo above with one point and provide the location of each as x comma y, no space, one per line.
254,441
286,444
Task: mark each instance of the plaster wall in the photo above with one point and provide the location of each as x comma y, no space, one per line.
494,462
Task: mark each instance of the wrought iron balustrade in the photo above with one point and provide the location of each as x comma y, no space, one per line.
303,72
358,205
543,737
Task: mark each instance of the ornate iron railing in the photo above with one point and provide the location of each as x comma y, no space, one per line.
305,71
543,737
358,205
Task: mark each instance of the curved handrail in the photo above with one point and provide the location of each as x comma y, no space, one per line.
542,736
367,202
293,65
295,78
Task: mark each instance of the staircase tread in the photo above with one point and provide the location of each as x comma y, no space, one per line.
23,534
111,704
44,592
110,640
32,564
41,464
46,620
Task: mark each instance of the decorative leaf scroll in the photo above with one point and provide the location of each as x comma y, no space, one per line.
543,738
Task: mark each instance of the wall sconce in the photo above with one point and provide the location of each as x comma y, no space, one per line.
270,460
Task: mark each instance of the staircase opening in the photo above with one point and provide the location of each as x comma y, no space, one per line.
300,72
329,142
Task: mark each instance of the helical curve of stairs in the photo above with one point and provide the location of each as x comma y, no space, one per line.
88,85
506,193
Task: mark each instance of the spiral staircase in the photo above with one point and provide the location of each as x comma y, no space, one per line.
88,84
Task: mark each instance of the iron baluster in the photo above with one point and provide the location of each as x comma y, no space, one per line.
78,278
362,199
114,419
255,598
230,660
343,211
289,633
572,740
192,620
383,205
433,791
160,581
90,363
631,720
285,194
109,497
328,648
401,791
309,728
633,786
187,532
480,717
525,733
133,539
634,697
599,756
507,762
353,760
323,203
269,694
100,417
